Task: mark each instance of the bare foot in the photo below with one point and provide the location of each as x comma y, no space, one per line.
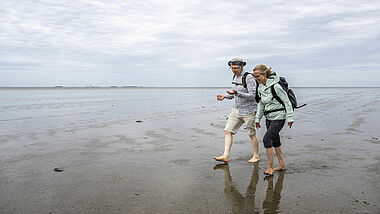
269,171
280,168
254,159
221,158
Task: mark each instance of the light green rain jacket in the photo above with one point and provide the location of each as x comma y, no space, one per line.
267,102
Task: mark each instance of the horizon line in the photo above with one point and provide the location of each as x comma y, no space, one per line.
141,87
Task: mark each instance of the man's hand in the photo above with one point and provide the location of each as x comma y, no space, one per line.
258,125
232,92
290,124
220,97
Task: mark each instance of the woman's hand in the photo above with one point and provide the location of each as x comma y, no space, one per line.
290,124
232,92
257,125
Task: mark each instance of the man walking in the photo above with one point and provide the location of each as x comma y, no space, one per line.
244,110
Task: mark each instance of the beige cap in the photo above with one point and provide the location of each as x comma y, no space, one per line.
236,61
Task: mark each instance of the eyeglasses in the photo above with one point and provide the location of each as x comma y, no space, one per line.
257,76
234,68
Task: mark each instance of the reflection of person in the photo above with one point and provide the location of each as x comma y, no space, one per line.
273,196
243,111
238,202
246,204
275,117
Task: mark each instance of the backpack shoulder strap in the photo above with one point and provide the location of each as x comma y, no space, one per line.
275,96
257,95
243,79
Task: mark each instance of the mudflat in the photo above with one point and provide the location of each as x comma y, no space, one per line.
150,151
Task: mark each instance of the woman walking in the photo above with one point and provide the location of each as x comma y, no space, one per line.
274,113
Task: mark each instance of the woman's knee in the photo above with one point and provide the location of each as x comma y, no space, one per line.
267,141
276,144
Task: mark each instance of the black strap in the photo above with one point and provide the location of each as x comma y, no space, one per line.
270,111
274,94
243,80
301,105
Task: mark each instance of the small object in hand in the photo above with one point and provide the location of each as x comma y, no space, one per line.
58,169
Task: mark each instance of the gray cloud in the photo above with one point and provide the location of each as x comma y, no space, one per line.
157,43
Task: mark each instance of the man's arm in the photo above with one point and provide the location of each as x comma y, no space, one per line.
229,96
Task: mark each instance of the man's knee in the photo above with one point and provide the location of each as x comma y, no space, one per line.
227,132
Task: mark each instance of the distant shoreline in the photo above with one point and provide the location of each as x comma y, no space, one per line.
167,87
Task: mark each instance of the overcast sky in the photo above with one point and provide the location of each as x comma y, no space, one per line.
187,43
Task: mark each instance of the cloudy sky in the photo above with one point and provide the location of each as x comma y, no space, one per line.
187,43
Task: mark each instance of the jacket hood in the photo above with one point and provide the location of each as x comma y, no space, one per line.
272,79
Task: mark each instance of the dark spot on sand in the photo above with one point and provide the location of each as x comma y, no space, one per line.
58,169
139,121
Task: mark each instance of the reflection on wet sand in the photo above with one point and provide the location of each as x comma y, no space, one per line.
246,204
273,196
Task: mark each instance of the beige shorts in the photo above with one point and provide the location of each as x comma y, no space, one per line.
235,121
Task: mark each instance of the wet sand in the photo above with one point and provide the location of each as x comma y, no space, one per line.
109,163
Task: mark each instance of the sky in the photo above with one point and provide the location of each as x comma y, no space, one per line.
312,43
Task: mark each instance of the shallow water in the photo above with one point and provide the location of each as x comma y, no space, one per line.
113,164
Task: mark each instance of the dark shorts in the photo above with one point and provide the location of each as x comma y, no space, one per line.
272,136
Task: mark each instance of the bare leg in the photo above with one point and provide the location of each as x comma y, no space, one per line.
227,147
280,157
270,155
255,145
